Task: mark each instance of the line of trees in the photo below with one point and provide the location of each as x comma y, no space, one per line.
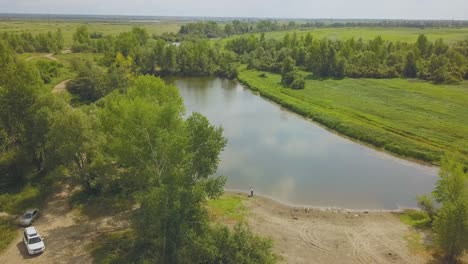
386,23
42,42
377,58
212,29
197,57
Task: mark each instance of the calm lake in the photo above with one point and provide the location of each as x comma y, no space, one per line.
296,161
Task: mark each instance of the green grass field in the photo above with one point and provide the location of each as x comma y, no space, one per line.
68,27
392,34
227,209
407,117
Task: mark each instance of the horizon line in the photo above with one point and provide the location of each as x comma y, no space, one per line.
227,17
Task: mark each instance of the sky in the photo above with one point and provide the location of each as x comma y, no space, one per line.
374,9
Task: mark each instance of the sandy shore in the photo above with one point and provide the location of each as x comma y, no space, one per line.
329,235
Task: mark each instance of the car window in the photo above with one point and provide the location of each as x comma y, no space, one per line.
34,213
27,215
34,240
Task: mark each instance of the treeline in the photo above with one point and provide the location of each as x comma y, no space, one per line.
168,170
199,57
212,29
325,58
42,42
387,23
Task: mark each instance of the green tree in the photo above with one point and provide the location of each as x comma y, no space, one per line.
81,39
422,45
287,68
169,59
169,168
71,141
410,70
141,35
89,86
451,223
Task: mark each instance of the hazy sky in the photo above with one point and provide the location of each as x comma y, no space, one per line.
410,9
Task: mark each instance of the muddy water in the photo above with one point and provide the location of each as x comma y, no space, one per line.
296,161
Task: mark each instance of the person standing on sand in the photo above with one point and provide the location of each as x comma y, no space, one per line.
251,192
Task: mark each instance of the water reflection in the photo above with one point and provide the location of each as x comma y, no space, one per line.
295,161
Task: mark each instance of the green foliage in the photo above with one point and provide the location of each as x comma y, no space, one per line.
93,83
167,163
451,229
452,184
451,223
426,204
42,42
218,245
211,29
81,39
410,69
113,247
48,69
208,29
240,245
417,219
415,242
299,81
20,90
375,58
8,231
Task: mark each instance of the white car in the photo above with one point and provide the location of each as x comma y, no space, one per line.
28,217
33,241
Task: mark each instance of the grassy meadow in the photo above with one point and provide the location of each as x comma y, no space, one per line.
367,33
411,118
69,27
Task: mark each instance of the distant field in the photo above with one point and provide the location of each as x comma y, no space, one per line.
393,34
68,28
407,117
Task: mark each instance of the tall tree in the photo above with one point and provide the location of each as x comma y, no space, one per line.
410,70
451,223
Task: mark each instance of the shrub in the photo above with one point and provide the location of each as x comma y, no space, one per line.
415,218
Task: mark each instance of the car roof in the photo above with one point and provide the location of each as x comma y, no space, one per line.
30,211
31,231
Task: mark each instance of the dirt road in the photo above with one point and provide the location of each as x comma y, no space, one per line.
66,235
47,56
318,236
60,87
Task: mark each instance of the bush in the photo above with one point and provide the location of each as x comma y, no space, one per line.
48,69
16,203
298,83
426,204
7,231
415,218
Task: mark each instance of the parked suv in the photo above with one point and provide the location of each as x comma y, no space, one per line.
28,217
33,241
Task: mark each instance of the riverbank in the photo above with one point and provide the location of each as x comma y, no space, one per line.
411,119
329,236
